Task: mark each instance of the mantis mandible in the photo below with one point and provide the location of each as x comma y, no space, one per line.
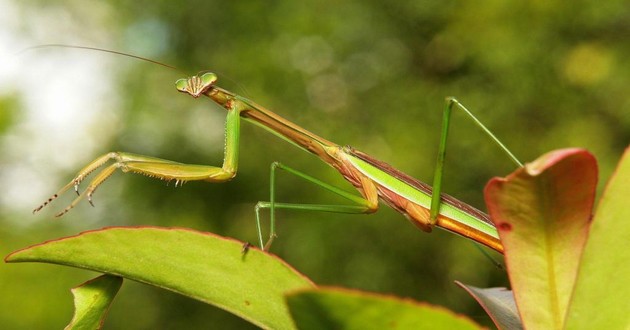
424,206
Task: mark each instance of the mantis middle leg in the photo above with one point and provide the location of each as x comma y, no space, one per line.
360,204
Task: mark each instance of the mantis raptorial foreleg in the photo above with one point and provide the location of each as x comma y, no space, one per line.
157,168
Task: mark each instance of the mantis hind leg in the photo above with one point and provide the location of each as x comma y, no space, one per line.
439,168
359,205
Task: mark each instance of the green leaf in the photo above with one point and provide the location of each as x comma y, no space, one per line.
542,212
92,300
600,299
199,265
498,303
334,308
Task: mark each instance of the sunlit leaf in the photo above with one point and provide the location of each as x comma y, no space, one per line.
600,300
199,265
542,212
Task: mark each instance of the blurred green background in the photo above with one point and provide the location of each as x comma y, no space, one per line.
371,74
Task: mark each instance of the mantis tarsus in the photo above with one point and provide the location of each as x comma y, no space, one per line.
424,206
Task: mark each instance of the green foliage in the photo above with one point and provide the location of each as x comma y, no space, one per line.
559,257
247,282
604,267
334,308
542,212
92,300
198,265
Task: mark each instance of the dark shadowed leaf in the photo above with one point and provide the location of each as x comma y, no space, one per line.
498,303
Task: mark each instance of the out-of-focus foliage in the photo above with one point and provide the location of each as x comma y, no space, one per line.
372,74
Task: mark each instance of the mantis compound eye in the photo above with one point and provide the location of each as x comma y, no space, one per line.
208,79
182,85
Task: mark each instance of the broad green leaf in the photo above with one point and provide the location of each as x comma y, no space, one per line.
92,300
199,265
600,299
499,304
334,308
542,212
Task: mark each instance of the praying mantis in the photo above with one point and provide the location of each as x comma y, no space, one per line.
422,205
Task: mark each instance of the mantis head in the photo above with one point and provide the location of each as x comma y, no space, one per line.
196,85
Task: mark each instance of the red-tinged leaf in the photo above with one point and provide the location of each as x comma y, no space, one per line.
542,212
199,265
602,290
92,300
335,308
498,303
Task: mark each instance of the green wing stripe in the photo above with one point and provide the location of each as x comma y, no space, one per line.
420,193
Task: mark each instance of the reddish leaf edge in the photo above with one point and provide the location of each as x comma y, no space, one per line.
533,169
239,243
544,162
86,232
382,296
553,157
